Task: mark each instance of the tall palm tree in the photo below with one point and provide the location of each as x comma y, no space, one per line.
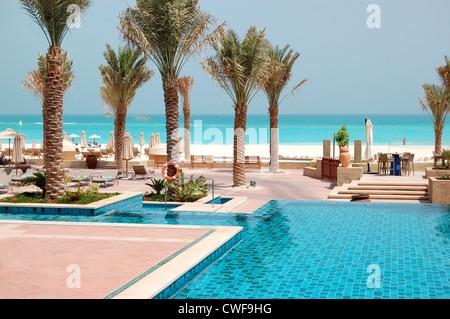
37,79
52,17
122,75
444,73
185,87
280,72
437,105
240,68
169,32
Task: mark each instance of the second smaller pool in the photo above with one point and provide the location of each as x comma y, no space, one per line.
220,200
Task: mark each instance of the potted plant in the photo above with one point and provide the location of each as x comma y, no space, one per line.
342,140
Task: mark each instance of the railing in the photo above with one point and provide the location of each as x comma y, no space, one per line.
329,169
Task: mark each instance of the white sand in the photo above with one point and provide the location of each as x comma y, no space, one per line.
422,153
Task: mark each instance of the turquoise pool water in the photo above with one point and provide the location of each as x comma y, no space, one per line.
336,250
220,200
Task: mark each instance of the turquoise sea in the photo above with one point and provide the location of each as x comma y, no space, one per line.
300,129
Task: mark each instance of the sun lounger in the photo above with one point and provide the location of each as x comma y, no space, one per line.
85,154
83,176
109,176
28,173
141,170
5,179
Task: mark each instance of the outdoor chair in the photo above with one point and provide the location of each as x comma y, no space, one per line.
85,154
36,152
83,176
5,182
141,170
383,163
409,164
109,150
109,176
5,178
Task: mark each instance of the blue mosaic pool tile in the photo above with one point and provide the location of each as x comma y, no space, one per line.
131,204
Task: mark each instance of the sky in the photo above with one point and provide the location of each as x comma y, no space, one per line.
350,67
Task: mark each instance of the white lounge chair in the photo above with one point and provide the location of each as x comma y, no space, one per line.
83,177
109,176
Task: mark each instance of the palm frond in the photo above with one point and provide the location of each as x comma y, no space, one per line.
239,67
52,15
169,32
124,72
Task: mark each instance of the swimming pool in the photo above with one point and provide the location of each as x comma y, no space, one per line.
293,249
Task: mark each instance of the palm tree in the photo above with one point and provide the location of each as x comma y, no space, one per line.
52,17
437,105
169,32
185,87
37,79
444,73
280,72
122,75
240,68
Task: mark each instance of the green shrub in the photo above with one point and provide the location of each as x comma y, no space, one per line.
342,136
157,185
37,180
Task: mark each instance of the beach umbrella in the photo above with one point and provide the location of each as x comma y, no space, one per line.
141,140
180,145
22,142
158,140
369,142
65,137
127,148
72,136
17,155
10,134
111,142
94,137
83,139
152,141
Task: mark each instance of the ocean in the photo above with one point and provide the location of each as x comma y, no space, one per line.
298,129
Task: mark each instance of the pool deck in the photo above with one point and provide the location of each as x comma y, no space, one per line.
128,260
60,260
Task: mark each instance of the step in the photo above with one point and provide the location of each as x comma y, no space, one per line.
397,197
384,192
423,188
392,184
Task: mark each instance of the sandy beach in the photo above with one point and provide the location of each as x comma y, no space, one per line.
305,152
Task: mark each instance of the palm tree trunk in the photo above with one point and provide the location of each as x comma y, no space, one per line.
54,124
171,102
438,141
44,126
274,139
240,125
120,123
187,133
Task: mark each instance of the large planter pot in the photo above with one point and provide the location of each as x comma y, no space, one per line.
91,161
344,156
